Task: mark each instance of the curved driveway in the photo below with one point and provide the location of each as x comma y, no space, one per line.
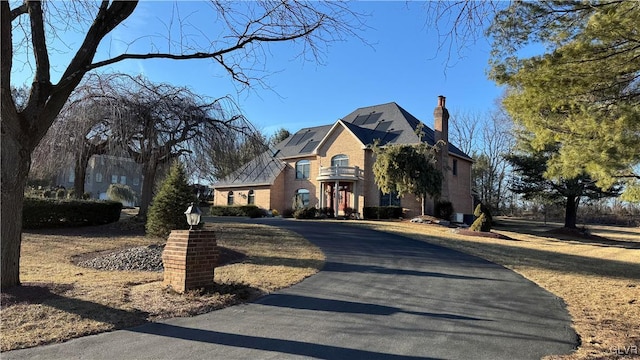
379,296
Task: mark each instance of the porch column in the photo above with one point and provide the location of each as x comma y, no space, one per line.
356,205
336,198
321,197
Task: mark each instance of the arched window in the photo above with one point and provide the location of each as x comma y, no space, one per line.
230,198
302,198
251,198
302,169
340,160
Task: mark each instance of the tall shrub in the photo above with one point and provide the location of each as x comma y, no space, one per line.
121,193
167,209
443,209
483,221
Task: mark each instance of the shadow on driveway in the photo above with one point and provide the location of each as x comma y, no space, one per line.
314,350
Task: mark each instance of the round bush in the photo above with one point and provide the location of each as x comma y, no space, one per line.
60,194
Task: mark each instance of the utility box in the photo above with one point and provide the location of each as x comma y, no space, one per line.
458,218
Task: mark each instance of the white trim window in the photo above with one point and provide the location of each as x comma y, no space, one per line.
302,197
303,168
340,160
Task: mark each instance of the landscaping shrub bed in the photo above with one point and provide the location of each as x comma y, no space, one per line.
251,211
382,212
306,213
43,213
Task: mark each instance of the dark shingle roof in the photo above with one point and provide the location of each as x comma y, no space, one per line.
302,142
389,123
262,170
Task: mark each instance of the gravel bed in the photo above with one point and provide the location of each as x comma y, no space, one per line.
142,258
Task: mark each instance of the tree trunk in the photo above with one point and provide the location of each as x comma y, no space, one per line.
148,182
15,168
571,212
82,162
80,174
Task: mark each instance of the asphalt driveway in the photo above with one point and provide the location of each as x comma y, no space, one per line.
379,296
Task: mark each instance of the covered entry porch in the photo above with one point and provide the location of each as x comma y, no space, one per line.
339,190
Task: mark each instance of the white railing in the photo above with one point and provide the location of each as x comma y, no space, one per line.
351,172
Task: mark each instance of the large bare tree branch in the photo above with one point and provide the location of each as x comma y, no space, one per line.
20,10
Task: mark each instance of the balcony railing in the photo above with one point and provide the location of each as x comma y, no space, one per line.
340,173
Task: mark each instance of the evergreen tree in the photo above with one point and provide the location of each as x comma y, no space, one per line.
529,170
166,212
583,94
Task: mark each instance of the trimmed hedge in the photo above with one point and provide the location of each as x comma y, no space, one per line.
382,212
251,211
42,213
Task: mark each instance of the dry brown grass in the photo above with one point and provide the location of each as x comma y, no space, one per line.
70,301
598,278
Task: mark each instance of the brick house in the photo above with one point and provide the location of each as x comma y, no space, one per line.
331,165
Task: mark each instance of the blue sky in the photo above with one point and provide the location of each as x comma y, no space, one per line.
400,63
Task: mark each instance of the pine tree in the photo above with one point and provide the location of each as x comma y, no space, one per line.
583,94
166,212
529,169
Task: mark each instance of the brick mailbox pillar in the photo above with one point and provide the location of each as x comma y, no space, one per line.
189,259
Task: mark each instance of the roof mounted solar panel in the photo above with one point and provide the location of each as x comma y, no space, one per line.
373,118
307,136
295,139
360,119
383,126
311,145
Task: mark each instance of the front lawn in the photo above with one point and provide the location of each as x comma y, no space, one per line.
60,300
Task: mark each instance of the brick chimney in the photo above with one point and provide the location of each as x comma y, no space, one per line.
441,137
441,120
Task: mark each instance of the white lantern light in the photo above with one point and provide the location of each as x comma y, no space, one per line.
193,216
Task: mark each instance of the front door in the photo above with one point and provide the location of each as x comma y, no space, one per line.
345,195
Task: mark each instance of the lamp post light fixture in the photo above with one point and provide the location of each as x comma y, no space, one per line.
193,216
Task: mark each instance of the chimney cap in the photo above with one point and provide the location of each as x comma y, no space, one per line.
441,100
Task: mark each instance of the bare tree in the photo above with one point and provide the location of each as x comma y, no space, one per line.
464,131
82,129
225,152
157,123
26,33
487,138
459,23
